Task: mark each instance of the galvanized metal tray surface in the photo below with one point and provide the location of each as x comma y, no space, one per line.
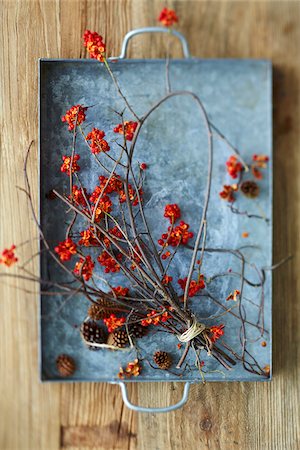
238,97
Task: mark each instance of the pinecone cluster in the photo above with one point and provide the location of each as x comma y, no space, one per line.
250,189
162,359
65,365
92,333
100,310
135,329
118,338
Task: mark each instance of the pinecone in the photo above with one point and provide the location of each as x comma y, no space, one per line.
100,310
91,332
118,338
136,330
250,189
162,359
65,365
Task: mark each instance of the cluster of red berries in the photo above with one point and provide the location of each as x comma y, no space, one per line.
176,235
121,291
228,192
172,212
68,162
66,249
98,144
259,162
74,116
131,194
112,322
84,268
133,369
216,332
115,231
127,128
168,17
8,257
234,166
114,184
249,187
110,264
104,206
155,318
194,287
88,238
167,279
95,45
135,257
79,195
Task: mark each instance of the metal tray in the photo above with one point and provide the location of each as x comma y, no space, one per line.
237,95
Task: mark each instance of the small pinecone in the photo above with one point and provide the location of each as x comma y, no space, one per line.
136,330
118,338
101,310
250,189
65,365
91,332
162,359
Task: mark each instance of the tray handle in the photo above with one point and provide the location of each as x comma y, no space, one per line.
131,34
154,410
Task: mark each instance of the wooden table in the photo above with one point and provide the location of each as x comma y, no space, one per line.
218,416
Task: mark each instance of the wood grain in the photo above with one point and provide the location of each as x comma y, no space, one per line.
83,416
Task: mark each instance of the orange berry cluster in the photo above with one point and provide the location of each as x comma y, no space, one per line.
128,128
66,249
228,192
110,264
194,287
177,235
8,257
172,212
74,116
216,332
84,268
234,166
112,322
121,291
133,369
95,45
88,238
67,162
98,144
78,195
168,17
154,318
113,185
104,206
167,279
259,162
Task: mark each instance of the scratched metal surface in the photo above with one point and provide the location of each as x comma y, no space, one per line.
237,95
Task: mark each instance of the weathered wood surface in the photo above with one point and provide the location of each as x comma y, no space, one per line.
218,416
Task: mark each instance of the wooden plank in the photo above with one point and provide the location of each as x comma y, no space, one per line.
29,410
218,416
93,415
